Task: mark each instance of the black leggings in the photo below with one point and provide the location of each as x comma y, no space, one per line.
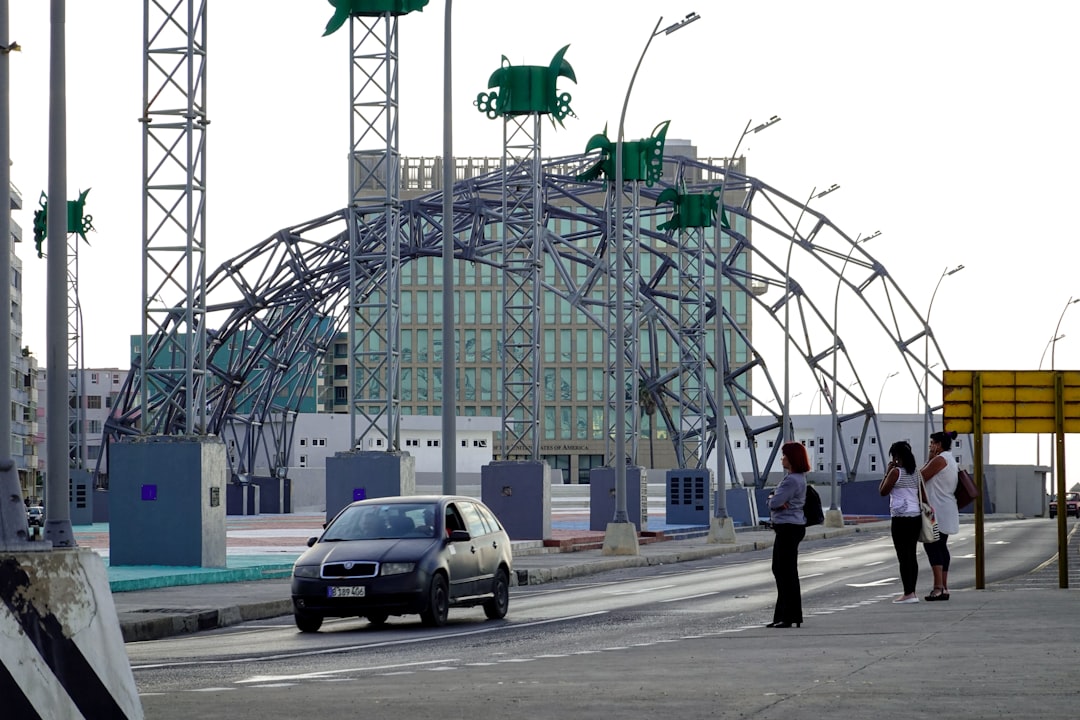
938,552
905,538
785,568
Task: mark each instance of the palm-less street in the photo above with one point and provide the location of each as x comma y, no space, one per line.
684,638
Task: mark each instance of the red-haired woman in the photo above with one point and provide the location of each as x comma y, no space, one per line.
786,509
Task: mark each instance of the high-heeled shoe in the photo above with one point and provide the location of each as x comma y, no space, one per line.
772,624
785,625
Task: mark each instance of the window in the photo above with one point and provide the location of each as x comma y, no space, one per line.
433,443
303,461
93,402
464,443
821,467
410,442
319,442
770,444
854,441
93,377
873,440
303,442
479,443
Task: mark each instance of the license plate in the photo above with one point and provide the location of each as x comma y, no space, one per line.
346,591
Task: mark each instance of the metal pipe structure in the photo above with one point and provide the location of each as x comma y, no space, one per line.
5,230
926,351
620,261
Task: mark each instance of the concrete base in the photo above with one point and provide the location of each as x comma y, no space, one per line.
721,531
361,474
62,651
620,539
602,504
834,518
519,493
81,497
167,497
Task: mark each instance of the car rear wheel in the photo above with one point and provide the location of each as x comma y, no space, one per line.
438,607
308,622
377,619
496,607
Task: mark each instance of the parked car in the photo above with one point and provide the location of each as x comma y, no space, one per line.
1072,505
35,515
401,556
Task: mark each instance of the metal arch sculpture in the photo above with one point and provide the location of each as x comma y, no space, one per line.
277,307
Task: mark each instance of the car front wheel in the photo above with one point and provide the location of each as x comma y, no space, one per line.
308,622
438,607
496,607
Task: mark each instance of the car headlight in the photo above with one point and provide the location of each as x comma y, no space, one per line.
397,568
306,571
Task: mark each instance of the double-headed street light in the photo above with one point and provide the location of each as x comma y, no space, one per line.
720,351
926,351
814,195
620,259
839,521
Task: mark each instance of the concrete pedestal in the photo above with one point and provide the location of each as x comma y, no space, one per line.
602,497
361,474
519,493
167,498
689,497
81,497
721,531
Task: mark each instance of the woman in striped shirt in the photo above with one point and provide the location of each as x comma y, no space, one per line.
901,484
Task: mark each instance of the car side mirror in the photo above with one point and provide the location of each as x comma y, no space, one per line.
311,541
460,536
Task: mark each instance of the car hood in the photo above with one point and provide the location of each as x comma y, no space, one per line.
403,550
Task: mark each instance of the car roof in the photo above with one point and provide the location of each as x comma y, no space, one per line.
414,499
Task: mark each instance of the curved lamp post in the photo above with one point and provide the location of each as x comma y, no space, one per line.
814,195
621,516
926,351
719,529
1052,344
834,518
882,392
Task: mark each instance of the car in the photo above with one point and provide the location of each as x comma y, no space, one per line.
1072,505
35,515
403,556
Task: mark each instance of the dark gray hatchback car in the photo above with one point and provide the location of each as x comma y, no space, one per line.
401,556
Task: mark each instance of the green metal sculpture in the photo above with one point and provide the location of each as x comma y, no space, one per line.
641,159
692,210
526,89
77,222
343,9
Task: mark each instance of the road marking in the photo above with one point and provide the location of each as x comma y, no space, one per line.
638,591
691,597
876,583
821,559
327,673
810,575
879,562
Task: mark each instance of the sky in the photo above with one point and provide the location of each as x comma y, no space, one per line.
947,125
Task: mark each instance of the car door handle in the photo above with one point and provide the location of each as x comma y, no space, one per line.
495,544
472,549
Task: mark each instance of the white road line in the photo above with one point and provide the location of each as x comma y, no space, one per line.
637,592
691,597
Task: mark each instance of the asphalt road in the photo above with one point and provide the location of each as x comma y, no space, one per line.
684,639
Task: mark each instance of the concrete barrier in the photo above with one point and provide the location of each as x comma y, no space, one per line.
61,653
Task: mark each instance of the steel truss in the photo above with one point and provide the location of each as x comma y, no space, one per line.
277,306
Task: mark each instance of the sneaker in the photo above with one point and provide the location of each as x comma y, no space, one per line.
906,600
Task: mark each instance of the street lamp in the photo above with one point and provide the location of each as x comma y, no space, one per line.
890,375
449,373
1051,345
926,350
620,257
839,521
717,529
814,195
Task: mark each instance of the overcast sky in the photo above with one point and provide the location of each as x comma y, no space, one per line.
948,124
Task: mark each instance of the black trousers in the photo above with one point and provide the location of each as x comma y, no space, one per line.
785,568
905,539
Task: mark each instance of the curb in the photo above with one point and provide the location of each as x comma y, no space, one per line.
165,623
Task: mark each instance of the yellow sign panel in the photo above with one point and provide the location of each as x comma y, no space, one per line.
1021,401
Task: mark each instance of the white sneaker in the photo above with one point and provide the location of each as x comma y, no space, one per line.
906,600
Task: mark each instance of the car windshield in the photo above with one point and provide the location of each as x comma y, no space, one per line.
389,521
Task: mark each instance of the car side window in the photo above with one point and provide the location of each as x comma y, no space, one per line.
472,519
489,519
453,519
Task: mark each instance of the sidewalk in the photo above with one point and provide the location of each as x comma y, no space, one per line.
156,602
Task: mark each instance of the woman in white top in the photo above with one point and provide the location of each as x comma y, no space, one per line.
901,484
940,475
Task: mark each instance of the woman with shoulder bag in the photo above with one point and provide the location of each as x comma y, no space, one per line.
940,475
788,521
901,485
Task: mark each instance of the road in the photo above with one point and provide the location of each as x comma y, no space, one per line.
650,633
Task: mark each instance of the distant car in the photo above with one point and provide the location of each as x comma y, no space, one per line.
1072,505
35,515
404,555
